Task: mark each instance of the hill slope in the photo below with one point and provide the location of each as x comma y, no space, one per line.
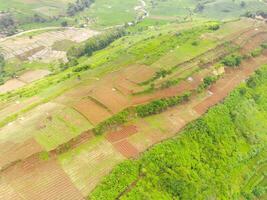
222,155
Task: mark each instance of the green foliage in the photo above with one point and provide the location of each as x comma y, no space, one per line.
2,64
264,45
94,44
214,27
122,176
81,68
160,105
232,60
78,6
113,121
207,81
212,158
256,52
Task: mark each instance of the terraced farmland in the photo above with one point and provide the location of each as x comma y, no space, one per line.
67,130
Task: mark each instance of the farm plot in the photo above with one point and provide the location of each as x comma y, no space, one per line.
40,46
139,73
10,85
127,149
232,78
35,179
254,42
11,107
150,130
60,127
182,87
94,112
22,80
33,75
88,163
123,133
11,152
7,192
110,98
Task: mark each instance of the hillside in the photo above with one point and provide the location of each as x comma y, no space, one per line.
133,99
221,155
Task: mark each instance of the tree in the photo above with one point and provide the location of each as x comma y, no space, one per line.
243,4
64,24
2,62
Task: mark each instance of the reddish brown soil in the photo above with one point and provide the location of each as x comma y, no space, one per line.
254,42
109,97
7,192
42,180
232,78
73,143
12,152
139,73
123,133
10,85
92,111
169,92
126,149
126,87
33,75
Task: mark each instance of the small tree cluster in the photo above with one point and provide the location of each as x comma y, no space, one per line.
160,105
78,6
94,44
232,60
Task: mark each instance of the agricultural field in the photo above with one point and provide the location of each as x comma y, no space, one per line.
148,100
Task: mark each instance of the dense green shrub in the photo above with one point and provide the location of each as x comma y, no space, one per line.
160,105
122,176
232,60
94,44
115,120
81,68
256,52
207,81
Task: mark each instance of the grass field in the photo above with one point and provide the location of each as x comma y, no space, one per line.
217,9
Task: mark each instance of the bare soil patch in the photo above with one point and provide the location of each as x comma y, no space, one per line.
11,152
7,192
139,73
123,133
92,111
126,149
109,97
33,75
42,180
10,85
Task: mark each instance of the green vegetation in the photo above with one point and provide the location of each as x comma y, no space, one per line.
78,6
256,52
219,155
113,121
232,60
160,105
2,64
94,44
207,82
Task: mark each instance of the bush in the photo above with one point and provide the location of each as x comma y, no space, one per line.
232,60
214,27
160,105
256,52
115,120
81,68
94,44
